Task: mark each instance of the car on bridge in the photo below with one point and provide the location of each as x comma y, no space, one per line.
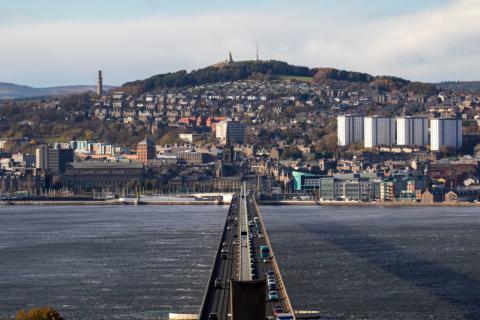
273,295
218,283
277,309
213,316
264,251
271,281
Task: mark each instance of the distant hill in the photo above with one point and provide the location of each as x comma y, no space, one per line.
268,70
464,86
15,91
220,72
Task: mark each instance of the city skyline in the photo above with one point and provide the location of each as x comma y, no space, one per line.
52,43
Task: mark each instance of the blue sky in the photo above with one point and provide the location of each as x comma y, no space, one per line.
38,10
54,42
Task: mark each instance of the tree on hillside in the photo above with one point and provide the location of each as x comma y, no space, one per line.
292,152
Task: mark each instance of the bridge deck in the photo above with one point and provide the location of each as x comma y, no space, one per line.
238,264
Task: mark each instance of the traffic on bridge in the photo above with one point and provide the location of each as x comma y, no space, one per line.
245,281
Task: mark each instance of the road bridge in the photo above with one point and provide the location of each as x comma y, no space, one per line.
245,275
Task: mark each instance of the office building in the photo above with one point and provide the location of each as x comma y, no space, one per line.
379,131
229,132
446,133
53,159
412,131
41,157
349,130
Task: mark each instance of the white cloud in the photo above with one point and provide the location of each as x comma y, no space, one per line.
433,45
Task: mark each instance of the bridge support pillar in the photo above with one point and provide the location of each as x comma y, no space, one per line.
248,300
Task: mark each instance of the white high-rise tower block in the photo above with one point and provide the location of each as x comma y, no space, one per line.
412,131
379,131
446,132
349,129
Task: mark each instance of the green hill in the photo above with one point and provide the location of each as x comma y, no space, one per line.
266,70
218,73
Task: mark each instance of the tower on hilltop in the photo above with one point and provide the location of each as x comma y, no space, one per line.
230,59
99,83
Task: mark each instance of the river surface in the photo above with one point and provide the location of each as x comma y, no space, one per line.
143,262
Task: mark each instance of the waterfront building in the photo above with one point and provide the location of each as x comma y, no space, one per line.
349,129
112,176
379,131
412,131
446,133
304,181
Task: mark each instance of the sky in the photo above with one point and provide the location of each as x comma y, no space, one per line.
64,42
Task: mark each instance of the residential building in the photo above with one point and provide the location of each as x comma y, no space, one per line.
349,129
446,133
145,150
379,131
412,131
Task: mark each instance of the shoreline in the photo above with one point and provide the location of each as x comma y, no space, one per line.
223,203
110,203
366,204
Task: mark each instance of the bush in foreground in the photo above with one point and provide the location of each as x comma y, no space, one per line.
45,313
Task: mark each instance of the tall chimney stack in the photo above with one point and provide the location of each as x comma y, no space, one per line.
99,83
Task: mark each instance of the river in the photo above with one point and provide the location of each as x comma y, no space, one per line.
125,262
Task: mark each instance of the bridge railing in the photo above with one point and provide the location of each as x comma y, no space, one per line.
274,264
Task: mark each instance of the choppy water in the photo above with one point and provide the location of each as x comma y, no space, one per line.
380,263
143,262
120,262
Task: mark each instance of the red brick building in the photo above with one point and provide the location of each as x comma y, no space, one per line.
145,150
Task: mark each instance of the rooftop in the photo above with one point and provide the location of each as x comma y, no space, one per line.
106,165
